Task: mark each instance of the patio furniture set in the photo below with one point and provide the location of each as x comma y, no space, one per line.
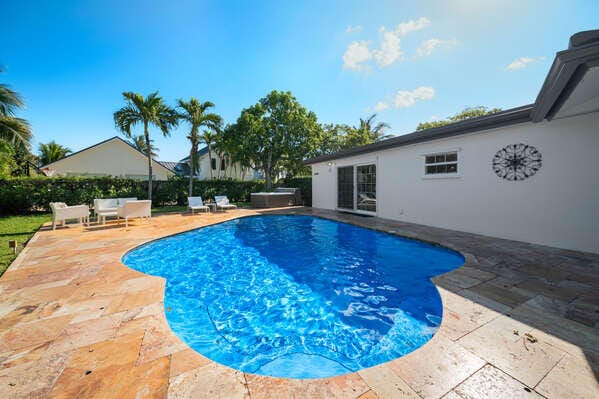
126,208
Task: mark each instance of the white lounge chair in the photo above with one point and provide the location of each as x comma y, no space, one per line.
134,209
61,212
222,202
104,207
196,204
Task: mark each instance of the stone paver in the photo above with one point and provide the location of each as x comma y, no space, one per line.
76,322
492,383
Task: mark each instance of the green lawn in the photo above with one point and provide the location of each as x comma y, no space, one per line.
19,228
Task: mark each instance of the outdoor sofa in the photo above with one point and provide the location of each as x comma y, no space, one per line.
104,207
61,212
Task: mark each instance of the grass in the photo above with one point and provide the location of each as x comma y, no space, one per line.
20,228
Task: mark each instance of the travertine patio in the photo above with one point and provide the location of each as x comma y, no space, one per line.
519,320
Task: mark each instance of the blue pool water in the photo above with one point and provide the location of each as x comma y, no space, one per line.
297,296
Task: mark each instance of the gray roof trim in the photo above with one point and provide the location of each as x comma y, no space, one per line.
504,118
567,70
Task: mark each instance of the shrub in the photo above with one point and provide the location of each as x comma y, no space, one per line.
304,183
26,194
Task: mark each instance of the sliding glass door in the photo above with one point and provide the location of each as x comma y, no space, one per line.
345,187
366,187
356,188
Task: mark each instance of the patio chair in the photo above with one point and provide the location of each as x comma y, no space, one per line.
104,207
61,212
196,204
134,209
365,199
222,202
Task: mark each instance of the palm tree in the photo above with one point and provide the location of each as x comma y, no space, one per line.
365,133
194,113
139,142
51,152
146,111
376,132
12,129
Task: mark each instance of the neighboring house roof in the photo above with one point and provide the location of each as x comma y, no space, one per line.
169,165
201,152
567,71
74,154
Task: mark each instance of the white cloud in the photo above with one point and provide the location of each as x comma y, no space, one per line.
428,46
356,54
411,26
522,62
390,50
381,105
405,99
353,29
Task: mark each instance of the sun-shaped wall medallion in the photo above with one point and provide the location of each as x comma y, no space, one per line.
517,162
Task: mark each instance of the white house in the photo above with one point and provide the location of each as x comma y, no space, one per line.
215,166
112,157
530,173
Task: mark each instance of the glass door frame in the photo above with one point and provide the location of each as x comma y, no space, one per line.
355,193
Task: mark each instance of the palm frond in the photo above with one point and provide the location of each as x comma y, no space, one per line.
15,130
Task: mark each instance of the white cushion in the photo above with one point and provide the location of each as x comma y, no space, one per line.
122,201
101,204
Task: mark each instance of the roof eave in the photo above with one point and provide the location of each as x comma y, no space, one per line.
500,119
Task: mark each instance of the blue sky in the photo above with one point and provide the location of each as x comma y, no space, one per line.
411,61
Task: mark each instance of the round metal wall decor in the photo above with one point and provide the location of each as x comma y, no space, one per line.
517,162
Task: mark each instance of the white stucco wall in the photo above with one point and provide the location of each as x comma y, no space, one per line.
558,206
230,172
112,158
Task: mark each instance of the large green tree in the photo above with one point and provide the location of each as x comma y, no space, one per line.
466,113
51,152
273,135
148,111
194,112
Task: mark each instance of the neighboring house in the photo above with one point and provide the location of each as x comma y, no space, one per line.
528,173
112,157
216,168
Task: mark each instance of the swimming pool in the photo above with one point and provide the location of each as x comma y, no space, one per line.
297,296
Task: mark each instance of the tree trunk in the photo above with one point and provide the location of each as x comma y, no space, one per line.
192,155
267,173
147,134
210,161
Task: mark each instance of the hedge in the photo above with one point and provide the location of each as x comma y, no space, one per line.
23,195
303,183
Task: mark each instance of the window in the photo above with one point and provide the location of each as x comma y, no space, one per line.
223,164
213,163
345,187
442,163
